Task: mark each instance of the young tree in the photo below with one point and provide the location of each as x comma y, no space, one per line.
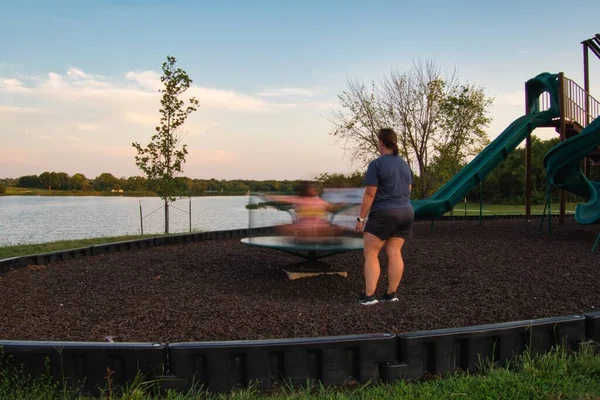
163,159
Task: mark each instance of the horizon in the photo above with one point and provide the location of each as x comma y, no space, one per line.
78,82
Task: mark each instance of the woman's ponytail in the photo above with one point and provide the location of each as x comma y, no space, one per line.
389,138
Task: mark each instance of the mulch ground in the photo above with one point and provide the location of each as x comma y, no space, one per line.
459,274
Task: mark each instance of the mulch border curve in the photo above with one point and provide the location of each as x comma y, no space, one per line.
335,360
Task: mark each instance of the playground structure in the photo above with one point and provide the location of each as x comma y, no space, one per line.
552,101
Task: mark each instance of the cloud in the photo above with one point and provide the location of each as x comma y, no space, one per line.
229,100
75,73
291,92
19,110
147,80
86,122
144,119
88,127
220,156
137,87
60,137
12,86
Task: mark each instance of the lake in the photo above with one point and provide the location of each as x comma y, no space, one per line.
38,219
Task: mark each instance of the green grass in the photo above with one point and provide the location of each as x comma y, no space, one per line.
499,209
17,250
557,375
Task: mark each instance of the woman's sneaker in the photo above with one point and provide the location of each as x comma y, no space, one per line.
389,297
368,300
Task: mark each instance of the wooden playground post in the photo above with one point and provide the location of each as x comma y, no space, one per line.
563,130
586,87
528,178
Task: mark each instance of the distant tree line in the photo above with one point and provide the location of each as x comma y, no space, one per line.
185,186
504,185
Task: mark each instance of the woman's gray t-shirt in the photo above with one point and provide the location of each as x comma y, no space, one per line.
392,176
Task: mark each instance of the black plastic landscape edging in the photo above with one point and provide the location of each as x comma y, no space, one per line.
332,361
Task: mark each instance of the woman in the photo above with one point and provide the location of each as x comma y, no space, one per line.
386,201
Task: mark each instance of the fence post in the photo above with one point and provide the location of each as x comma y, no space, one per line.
190,214
141,218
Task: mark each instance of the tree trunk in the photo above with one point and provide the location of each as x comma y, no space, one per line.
423,178
166,216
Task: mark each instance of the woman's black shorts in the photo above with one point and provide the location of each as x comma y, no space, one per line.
395,222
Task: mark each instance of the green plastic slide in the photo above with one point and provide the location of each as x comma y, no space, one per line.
469,177
562,164
473,173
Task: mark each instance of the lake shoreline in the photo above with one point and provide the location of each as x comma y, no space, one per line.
57,193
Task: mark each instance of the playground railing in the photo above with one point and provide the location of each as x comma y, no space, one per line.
580,106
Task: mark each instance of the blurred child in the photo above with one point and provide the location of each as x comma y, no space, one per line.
312,214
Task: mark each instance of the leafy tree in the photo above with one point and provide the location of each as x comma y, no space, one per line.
80,182
105,182
162,159
2,188
48,180
28,181
463,119
357,121
63,181
355,179
434,116
136,184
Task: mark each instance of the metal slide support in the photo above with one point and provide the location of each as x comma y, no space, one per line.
596,243
547,205
480,202
549,208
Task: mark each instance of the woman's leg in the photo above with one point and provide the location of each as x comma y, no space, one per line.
393,248
372,247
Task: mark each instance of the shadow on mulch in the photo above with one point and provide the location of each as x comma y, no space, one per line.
459,274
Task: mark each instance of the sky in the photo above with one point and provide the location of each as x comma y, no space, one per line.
79,79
